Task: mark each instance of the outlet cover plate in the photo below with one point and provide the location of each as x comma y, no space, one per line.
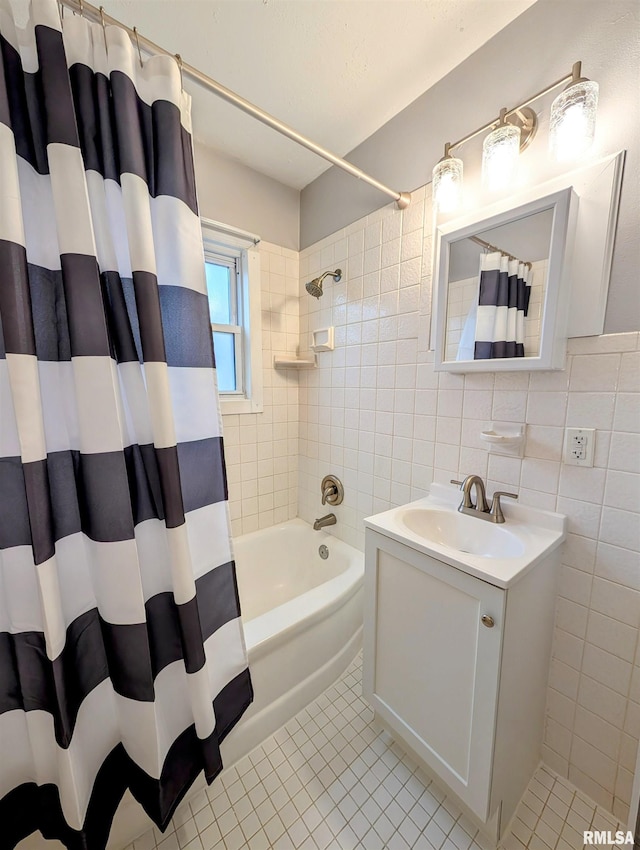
579,446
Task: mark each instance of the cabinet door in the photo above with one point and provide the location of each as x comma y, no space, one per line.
431,668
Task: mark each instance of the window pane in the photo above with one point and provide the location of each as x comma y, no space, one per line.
224,348
219,292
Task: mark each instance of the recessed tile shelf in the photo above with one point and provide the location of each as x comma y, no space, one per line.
294,363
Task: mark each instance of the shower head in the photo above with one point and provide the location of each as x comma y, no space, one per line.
314,287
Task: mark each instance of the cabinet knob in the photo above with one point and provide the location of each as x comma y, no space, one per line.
488,621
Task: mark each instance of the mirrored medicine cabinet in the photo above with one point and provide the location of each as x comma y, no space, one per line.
514,280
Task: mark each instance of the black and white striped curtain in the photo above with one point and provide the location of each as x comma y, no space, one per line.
122,657
503,302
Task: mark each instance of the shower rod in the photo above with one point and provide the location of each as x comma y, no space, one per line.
402,199
491,247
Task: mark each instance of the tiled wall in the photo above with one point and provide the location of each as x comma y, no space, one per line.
376,414
261,449
461,298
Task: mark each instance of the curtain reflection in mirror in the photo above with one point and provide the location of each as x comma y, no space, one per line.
503,301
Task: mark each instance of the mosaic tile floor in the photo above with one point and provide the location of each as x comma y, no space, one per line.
331,780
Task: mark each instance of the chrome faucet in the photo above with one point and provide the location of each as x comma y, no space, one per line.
329,519
481,508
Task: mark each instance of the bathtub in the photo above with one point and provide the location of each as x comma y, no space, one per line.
303,626
302,622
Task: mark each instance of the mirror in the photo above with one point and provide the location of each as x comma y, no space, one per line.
503,286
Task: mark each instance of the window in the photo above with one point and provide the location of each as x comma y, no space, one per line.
226,320
232,267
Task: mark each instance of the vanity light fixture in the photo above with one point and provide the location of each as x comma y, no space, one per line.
500,151
572,128
447,182
572,125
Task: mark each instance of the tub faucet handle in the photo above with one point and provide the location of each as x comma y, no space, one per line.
327,493
332,490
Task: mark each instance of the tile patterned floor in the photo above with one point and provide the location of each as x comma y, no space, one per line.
331,780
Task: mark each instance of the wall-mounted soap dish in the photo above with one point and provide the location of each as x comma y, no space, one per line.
505,438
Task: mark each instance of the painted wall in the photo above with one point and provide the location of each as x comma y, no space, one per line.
261,449
232,193
534,50
376,414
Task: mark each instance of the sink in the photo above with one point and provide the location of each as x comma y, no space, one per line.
497,553
462,533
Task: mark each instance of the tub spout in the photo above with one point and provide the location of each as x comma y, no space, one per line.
329,519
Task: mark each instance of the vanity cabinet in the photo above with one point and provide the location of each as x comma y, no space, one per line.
457,668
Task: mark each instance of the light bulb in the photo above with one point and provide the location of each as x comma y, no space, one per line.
500,151
573,120
447,183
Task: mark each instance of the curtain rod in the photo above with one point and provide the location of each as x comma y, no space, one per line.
402,199
491,247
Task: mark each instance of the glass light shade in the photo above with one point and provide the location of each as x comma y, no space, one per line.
573,120
500,151
447,184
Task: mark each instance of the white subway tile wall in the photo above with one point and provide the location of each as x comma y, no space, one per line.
377,415
261,449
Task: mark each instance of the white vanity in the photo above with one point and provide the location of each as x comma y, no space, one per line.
457,639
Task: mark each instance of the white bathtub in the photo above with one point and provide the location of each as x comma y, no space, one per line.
303,626
302,622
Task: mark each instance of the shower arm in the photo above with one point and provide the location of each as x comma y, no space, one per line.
402,199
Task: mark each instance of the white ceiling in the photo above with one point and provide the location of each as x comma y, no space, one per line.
336,70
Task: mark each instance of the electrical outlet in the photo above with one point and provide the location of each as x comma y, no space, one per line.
579,446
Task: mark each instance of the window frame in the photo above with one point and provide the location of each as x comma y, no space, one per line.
223,244
234,264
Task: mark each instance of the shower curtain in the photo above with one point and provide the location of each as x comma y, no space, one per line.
122,657
503,302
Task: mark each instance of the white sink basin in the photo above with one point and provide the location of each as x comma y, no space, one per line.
497,553
463,533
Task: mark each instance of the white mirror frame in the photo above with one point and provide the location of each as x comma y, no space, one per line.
553,331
